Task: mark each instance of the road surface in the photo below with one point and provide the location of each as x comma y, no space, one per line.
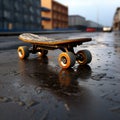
37,88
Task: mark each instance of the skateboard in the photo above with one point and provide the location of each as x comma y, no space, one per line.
41,45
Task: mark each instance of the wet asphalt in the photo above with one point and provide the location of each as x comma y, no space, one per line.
38,89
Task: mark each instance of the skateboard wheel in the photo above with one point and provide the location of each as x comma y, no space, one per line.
23,52
42,53
66,59
83,57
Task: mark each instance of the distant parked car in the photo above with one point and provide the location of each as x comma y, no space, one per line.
90,30
107,29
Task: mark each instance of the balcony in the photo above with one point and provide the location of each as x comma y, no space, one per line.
44,9
46,18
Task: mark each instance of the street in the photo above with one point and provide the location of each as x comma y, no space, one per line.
37,88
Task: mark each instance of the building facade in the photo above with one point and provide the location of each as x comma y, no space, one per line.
77,22
55,16
116,20
80,23
92,24
16,15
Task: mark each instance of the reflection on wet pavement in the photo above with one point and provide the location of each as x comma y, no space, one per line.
61,81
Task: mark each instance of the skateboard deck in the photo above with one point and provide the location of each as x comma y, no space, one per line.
48,41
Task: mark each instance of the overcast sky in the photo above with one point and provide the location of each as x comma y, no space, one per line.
101,11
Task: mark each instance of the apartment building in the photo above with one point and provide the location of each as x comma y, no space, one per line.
77,22
16,15
116,19
54,15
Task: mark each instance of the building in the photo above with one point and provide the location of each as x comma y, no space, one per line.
92,24
77,22
17,15
54,15
80,23
116,19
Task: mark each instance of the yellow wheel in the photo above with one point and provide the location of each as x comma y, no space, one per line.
83,57
23,52
66,59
